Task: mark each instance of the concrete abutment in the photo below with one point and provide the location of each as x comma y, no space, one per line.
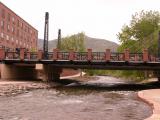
14,72
21,72
157,74
51,73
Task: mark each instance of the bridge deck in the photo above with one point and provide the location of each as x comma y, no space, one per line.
110,65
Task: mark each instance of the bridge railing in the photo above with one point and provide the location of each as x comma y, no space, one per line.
33,55
153,58
98,56
136,57
50,55
79,56
117,56
63,55
12,55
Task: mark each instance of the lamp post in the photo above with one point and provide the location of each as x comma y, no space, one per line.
158,40
46,31
158,72
159,44
59,39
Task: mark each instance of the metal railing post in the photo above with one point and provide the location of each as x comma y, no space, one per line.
55,54
22,52
126,55
71,55
145,55
40,54
108,55
89,55
2,53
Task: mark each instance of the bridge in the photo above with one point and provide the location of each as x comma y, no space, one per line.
22,64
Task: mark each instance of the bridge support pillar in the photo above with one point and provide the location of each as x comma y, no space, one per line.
157,74
51,73
14,72
158,77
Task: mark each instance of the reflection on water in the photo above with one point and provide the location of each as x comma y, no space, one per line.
67,103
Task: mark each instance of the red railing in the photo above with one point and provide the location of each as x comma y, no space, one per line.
78,56
12,55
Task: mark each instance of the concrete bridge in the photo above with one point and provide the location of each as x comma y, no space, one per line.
22,64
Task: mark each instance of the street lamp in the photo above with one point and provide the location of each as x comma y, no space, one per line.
159,40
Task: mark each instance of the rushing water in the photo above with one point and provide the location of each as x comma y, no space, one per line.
68,103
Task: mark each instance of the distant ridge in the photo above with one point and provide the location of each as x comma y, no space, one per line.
100,44
95,44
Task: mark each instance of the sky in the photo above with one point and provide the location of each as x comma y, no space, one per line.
96,18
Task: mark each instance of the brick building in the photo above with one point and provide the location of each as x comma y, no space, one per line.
16,32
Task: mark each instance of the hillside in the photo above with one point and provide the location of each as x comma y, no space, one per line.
100,44
94,43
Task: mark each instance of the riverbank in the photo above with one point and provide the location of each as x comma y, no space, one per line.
8,88
152,97
14,87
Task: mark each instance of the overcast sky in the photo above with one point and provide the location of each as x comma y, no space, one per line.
97,18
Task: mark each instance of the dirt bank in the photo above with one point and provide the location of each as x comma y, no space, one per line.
8,88
12,87
152,97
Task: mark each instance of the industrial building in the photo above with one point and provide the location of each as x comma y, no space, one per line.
16,32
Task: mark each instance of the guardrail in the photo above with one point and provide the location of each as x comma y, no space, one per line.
78,56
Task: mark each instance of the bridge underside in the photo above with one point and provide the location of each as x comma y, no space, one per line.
18,69
18,72
115,65
23,71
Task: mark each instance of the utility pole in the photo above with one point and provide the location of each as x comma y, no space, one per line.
59,39
46,30
159,45
157,72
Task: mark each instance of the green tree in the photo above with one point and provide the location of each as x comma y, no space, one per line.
75,42
142,32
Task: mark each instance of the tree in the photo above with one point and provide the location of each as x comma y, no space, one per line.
141,32
74,42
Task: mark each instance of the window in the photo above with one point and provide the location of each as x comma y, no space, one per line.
8,27
18,23
13,19
25,29
9,17
12,29
17,33
7,37
3,13
21,25
2,35
28,29
12,39
22,35
2,24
